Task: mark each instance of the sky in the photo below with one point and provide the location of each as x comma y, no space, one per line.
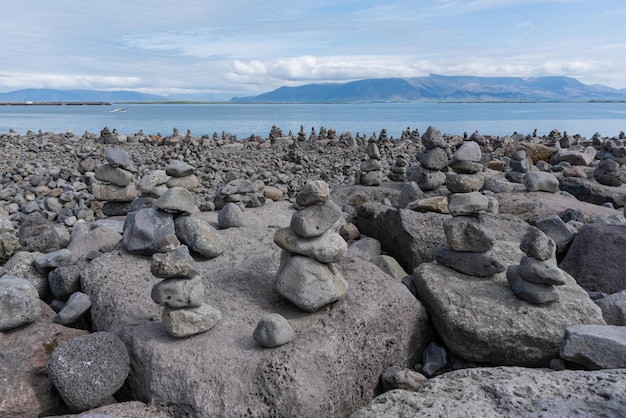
233,48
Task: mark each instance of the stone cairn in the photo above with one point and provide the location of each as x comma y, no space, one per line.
612,155
432,159
308,276
470,244
398,169
156,182
536,277
115,185
520,165
371,169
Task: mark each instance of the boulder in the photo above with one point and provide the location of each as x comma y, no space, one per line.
21,265
592,192
507,392
101,239
350,341
541,181
199,236
613,308
481,320
176,200
596,258
19,302
595,346
149,231
38,235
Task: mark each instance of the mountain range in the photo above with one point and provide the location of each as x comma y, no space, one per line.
415,89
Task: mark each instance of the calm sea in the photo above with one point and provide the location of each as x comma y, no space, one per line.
246,119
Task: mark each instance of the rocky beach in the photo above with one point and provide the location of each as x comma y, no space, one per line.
316,273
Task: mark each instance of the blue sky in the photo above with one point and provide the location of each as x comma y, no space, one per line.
240,47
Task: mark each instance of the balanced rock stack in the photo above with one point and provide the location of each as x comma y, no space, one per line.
610,173
244,193
181,293
308,276
432,159
398,169
520,165
470,244
176,174
536,277
371,173
115,185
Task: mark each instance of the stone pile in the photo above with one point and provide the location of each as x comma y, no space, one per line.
371,169
536,277
469,248
399,169
432,159
609,171
519,164
244,193
115,183
308,275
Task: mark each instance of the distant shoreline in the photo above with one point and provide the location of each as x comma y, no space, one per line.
29,103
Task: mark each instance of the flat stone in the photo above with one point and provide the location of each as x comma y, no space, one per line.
466,167
312,193
437,204
595,346
465,233
46,262
468,151
199,236
307,283
178,168
117,176
19,302
113,193
314,220
530,292
464,183
190,321
179,293
366,248
371,165
190,182
483,264
560,232
177,200
329,247
177,263
118,157
541,271
273,330
467,203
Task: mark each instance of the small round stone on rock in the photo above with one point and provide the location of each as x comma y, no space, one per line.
273,330
231,216
538,245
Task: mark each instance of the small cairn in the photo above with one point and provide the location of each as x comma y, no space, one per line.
433,159
308,276
245,193
610,169
115,183
536,277
182,175
398,169
301,134
520,165
371,169
470,245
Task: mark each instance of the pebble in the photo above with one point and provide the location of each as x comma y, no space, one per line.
74,309
189,321
231,216
273,330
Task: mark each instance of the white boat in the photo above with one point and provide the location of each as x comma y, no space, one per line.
119,109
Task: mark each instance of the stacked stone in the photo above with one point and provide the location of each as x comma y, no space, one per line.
520,165
399,169
432,159
610,172
115,183
301,134
470,244
182,175
371,173
244,193
308,276
536,277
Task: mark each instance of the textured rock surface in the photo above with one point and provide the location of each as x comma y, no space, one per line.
347,342
508,392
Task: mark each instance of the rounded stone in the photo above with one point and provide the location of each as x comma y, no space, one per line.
468,151
19,302
434,158
465,183
273,330
314,220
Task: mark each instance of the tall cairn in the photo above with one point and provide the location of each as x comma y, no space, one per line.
470,244
371,169
308,275
432,159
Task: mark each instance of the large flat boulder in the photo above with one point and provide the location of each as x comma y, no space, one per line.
508,392
331,367
481,320
596,258
593,192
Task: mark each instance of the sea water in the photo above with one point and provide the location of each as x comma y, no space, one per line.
243,120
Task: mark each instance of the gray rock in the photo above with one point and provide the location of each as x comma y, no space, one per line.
9,244
38,235
199,236
273,330
113,193
593,192
77,305
465,233
389,265
190,182
521,166
307,283
410,192
372,178
371,165
315,220
464,183
312,193
65,280
538,245
466,167
152,180
117,176
468,151
177,263
178,168
541,271
149,231
560,232
596,258
87,370
373,151
101,239
231,216
541,182
537,293
467,203
438,204
481,320
433,158
482,264
177,200
396,377
366,248
190,321
19,302
575,157
178,293
434,359
118,157
329,247
46,262
613,308
433,138
428,180
507,392
595,346
21,265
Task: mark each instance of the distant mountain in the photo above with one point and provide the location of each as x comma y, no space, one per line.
442,88
49,95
